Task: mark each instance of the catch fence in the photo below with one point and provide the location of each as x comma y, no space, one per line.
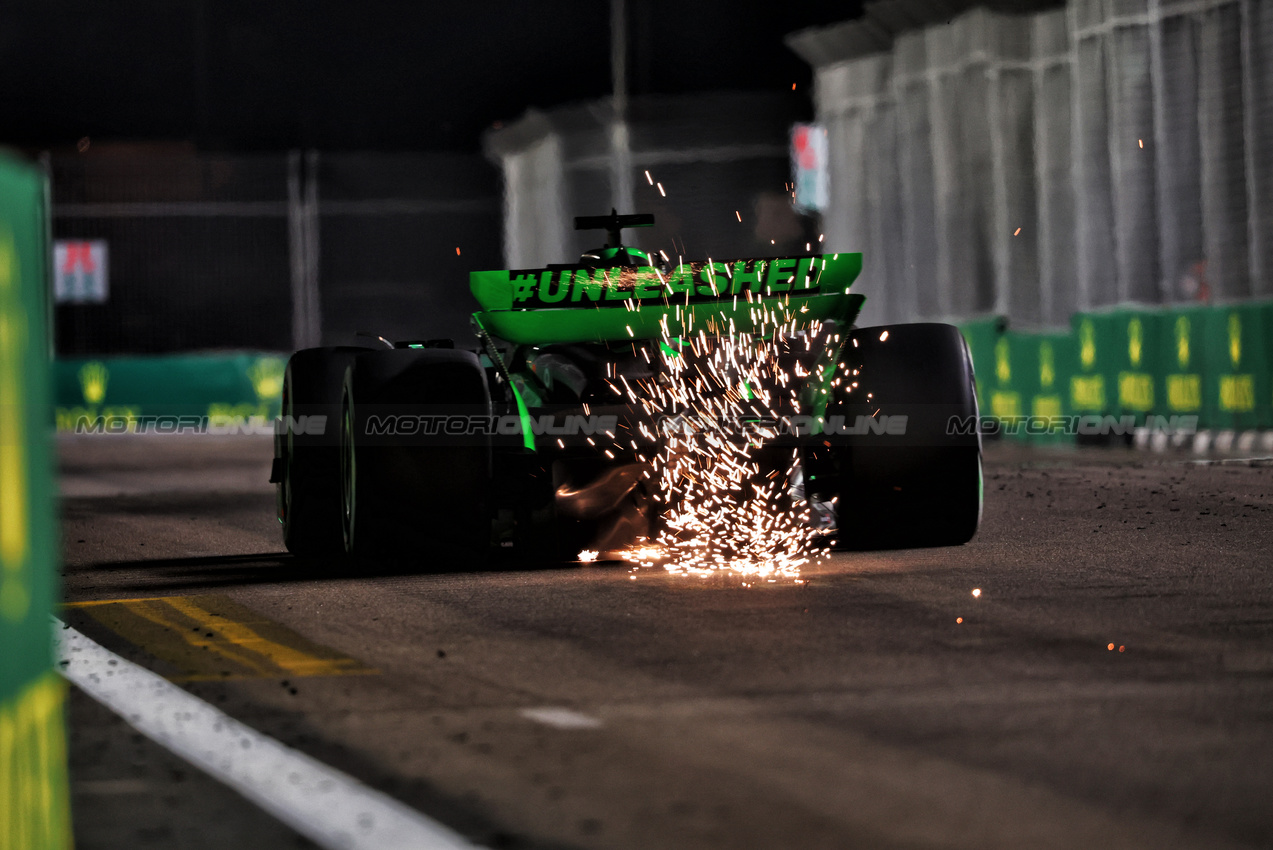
266,252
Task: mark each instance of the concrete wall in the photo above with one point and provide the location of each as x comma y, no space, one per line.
1032,165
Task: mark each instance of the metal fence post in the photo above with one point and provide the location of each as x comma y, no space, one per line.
296,247
620,137
302,231
313,307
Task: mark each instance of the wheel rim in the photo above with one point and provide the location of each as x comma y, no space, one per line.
348,472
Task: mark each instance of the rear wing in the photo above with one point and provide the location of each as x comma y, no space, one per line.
578,304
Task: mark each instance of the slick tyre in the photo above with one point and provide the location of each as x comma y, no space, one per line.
414,481
922,484
307,445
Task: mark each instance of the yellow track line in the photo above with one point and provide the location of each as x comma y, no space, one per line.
235,641
142,609
90,603
292,660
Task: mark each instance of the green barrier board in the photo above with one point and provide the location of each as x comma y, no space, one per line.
1054,354
982,336
1180,361
1090,390
1238,355
1044,378
1136,338
1026,387
233,392
1003,380
1114,363
34,811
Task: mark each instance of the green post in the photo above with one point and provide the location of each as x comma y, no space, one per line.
34,810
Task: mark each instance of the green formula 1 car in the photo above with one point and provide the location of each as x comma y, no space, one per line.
541,439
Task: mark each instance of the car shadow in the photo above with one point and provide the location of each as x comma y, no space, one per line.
210,571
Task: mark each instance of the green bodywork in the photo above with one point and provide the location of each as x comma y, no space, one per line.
622,304
579,304
497,360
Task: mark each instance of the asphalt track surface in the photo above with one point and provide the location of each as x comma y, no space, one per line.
855,710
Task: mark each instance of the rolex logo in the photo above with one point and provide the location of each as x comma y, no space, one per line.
1003,366
1047,365
1135,341
93,377
266,375
1087,344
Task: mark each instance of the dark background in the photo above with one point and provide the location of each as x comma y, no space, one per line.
168,126
247,75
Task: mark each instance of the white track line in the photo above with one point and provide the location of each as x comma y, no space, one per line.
1233,461
320,802
561,718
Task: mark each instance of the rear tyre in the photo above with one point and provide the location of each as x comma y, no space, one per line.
307,446
922,487
415,472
